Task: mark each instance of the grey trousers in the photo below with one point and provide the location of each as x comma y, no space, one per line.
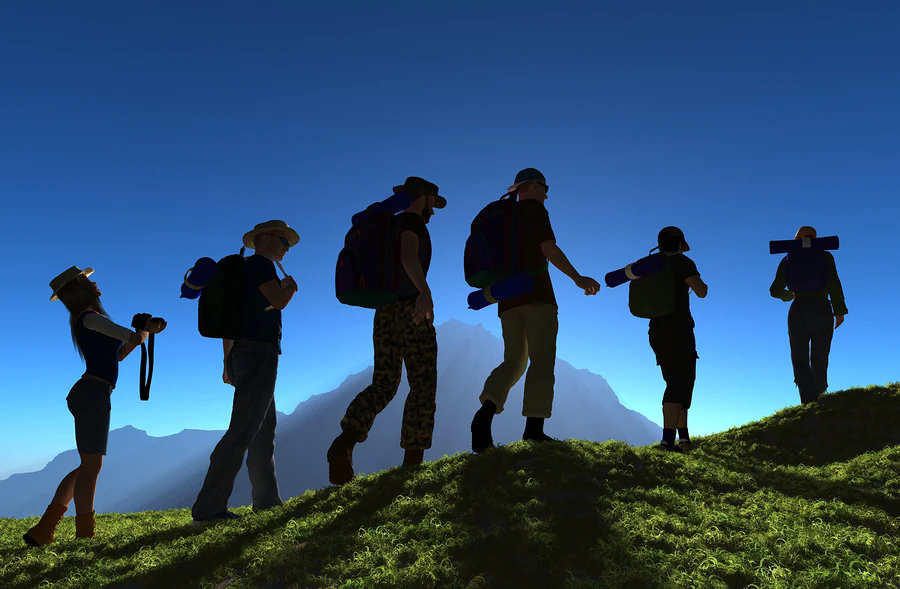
810,328
253,368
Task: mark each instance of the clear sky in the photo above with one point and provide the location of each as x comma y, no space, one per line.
139,136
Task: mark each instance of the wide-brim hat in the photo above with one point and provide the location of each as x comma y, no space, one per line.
524,176
416,186
275,226
67,277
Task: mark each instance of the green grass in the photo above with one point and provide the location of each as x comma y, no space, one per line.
809,497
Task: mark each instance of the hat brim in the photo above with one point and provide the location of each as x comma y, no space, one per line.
85,272
292,236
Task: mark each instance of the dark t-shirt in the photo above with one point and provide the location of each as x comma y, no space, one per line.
683,268
412,222
260,325
534,229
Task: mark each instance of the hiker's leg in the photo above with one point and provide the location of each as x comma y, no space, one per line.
662,341
261,464
682,419
86,483
360,415
420,352
89,403
255,367
66,489
515,359
541,329
800,336
822,334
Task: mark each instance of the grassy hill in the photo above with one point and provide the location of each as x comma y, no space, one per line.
809,497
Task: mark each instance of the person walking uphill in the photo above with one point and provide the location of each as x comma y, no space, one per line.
102,344
403,331
673,342
810,327
251,366
529,321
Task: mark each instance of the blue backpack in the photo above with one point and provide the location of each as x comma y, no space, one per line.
806,270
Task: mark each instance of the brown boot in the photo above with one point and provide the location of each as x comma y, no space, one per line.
340,457
84,525
42,533
413,457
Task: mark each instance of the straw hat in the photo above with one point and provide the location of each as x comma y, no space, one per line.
67,277
278,227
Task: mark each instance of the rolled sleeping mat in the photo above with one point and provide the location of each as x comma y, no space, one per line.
643,267
511,287
394,204
786,246
197,277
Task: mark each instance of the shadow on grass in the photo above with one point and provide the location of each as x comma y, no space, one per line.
836,428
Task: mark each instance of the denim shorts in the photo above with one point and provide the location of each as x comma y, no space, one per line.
89,403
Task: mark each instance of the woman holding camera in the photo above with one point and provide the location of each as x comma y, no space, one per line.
102,344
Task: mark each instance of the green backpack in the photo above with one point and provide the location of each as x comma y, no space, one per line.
653,295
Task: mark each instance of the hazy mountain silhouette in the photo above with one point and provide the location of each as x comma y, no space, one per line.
146,473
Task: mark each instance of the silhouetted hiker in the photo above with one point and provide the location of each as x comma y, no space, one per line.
673,342
529,321
251,365
99,343
810,328
403,331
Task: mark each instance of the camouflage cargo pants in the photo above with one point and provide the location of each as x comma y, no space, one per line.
398,340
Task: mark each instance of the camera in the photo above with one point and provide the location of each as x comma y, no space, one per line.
139,321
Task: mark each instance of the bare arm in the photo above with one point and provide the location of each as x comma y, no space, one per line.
698,286
226,346
278,295
409,256
136,339
559,259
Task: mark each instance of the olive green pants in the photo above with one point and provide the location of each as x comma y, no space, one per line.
529,332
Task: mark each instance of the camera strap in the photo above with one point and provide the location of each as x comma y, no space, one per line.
146,378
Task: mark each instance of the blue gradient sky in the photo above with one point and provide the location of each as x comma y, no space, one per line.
140,136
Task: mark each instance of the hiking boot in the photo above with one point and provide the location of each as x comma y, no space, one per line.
42,533
537,437
216,517
84,525
667,448
481,432
685,444
340,457
413,457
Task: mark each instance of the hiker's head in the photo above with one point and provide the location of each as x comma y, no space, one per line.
272,239
671,240
804,232
78,293
530,184
423,196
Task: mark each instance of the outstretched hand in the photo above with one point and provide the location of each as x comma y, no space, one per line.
590,286
838,319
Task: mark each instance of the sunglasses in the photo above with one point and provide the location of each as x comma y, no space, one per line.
284,242
546,186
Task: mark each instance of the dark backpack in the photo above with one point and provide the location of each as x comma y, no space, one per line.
653,295
806,270
221,306
368,267
493,248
